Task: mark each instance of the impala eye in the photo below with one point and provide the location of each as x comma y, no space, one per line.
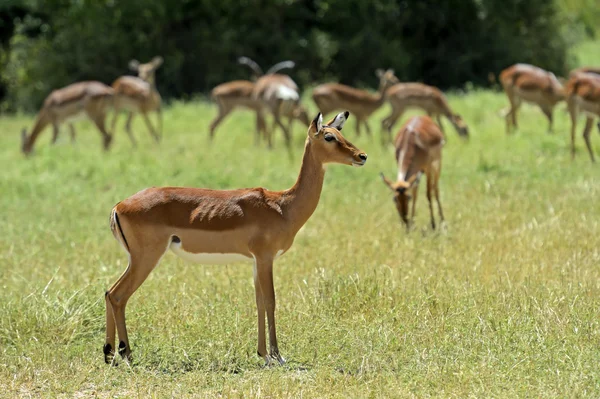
329,137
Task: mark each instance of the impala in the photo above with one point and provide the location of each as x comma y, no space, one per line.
333,96
583,95
214,226
408,95
418,150
594,70
524,82
138,95
275,93
84,99
238,94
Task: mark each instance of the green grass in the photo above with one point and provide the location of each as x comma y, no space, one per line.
502,302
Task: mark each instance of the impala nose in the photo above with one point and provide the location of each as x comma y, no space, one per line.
363,157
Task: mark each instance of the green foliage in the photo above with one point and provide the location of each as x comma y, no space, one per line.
442,42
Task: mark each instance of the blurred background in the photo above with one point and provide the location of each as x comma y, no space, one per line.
47,44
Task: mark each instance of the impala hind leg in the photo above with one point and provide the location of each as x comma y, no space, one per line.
586,136
128,129
547,110
223,112
99,122
150,127
140,266
265,296
429,193
573,114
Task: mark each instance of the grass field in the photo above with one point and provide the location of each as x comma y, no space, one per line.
502,302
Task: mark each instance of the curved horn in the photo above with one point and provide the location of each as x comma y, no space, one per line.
251,64
281,65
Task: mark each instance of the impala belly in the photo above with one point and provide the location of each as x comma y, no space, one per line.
208,258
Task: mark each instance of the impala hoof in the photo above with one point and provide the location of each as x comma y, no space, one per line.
109,354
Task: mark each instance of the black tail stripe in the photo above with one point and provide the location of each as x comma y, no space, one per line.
121,230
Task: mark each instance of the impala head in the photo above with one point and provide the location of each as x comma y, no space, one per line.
330,146
146,71
386,79
403,192
461,126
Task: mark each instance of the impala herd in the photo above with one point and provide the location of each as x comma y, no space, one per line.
258,225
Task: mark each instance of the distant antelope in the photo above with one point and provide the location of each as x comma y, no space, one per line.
417,95
222,226
583,95
418,150
334,96
238,94
84,99
138,95
276,93
524,82
594,70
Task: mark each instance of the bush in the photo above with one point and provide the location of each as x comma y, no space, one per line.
442,42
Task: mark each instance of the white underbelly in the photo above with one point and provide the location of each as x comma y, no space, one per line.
208,258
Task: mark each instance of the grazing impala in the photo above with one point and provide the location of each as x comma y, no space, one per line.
138,95
84,99
418,150
594,70
238,94
524,82
333,96
408,95
214,226
583,95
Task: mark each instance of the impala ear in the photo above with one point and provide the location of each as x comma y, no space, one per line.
387,181
157,61
134,65
339,120
379,72
316,125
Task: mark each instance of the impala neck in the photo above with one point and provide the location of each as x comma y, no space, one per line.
302,199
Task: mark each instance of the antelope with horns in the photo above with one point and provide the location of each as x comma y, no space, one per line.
333,96
408,95
238,94
277,93
583,95
418,150
215,226
524,82
138,95
84,99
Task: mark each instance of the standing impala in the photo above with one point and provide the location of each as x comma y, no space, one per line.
409,95
583,95
524,82
216,226
84,99
418,150
333,96
138,95
238,94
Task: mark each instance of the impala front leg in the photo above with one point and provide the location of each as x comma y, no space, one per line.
264,271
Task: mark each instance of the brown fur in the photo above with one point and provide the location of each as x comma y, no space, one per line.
239,93
139,95
429,98
524,82
583,95
256,223
334,96
90,98
418,150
